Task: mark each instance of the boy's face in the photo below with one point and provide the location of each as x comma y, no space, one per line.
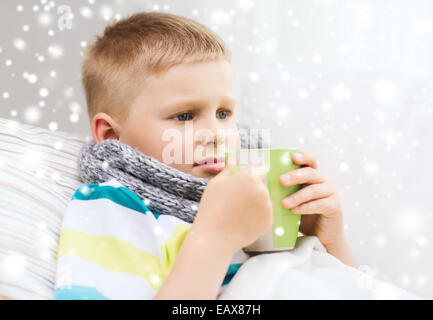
184,115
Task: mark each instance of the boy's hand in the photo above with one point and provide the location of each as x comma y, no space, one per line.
317,201
235,209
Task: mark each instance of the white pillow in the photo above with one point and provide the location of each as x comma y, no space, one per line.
38,176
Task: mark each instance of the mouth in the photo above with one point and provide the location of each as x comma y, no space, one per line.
211,164
209,160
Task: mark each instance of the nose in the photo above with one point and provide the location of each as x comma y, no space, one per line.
209,131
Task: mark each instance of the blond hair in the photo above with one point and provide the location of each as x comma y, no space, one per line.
141,45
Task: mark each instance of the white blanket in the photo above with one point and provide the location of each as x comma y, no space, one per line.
306,272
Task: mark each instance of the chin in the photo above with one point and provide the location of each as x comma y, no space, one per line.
197,172
211,175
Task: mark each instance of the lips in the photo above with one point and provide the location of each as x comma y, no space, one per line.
213,160
212,165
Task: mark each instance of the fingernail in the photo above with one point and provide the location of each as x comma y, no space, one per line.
287,202
286,178
299,156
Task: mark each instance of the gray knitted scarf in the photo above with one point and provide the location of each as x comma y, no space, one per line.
164,189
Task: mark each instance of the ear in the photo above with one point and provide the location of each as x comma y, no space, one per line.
104,127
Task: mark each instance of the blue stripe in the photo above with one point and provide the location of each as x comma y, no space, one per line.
121,195
233,268
78,293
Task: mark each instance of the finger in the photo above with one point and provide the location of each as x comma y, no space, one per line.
325,206
305,158
306,175
309,193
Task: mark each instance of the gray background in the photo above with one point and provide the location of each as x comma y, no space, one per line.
350,81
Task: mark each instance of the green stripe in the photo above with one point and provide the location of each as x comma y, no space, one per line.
233,268
121,195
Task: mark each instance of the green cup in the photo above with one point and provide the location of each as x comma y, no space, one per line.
285,227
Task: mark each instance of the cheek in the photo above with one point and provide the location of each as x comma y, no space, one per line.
146,138
166,145
155,146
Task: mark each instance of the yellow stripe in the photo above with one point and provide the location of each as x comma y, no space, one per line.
171,248
122,256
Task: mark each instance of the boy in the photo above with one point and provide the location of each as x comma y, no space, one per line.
141,78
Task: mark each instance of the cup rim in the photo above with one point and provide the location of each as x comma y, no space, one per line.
265,149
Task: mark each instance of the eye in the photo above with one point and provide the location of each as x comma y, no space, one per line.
183,116
224,113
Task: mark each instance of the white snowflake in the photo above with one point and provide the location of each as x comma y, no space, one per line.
106,12
219,17
344,166
32,114
317,58
45,19
14,264
86,12
279,231
53,126
75,107
341,92
282,112
31,78
245,5
303,93
55,51
385,91
254,76
20,44
43,92
74,117
285,76
317,133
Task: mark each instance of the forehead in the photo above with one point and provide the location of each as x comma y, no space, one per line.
194,78
204,81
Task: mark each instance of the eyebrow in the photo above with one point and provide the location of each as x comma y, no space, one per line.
173,106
